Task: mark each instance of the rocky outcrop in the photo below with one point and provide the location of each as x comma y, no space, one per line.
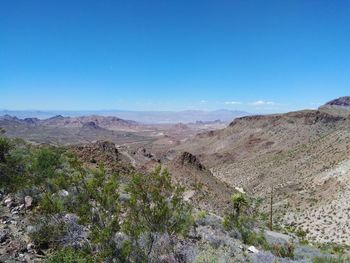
15,244
102,152
204,189
90,126
189,159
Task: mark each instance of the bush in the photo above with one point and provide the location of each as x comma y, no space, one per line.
96,203
69,255
47,234
5,147
153,212
283,251
155,206
339,259
243,216
12,166
243,213
44,168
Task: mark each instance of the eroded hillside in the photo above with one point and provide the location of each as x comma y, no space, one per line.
289,153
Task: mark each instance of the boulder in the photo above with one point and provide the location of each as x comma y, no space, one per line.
63,193
4,235
30,247
28,201
8,202
253,249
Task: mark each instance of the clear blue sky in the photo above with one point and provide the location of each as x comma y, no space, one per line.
171,55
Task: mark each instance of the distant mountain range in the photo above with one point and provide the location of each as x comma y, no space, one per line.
148,117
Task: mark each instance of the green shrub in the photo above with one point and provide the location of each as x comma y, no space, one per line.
243,213
283,251
12,166
155,205
5,147
339,259
44,168
243,216
97,206
200,215
69,255
47,234
334,248
254,238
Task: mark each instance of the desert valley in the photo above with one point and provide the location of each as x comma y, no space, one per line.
299,160
167,131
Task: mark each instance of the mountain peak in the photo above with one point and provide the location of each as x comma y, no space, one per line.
340,102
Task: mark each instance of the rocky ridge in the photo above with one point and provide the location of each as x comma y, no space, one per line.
287,152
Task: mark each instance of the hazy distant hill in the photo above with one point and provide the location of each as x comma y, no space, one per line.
188,116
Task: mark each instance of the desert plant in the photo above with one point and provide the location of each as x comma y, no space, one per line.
5,147
44,168
243,213
69,255
328,259
47,234
155,206
13,165
96,204
283,251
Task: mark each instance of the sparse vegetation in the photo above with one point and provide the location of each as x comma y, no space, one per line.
338,259
243,216
84,212
73,201
69,255
154,206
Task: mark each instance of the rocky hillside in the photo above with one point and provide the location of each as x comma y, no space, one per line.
111,123
286,152
339,106
61,130
207,191
342,102
54,216
102,153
